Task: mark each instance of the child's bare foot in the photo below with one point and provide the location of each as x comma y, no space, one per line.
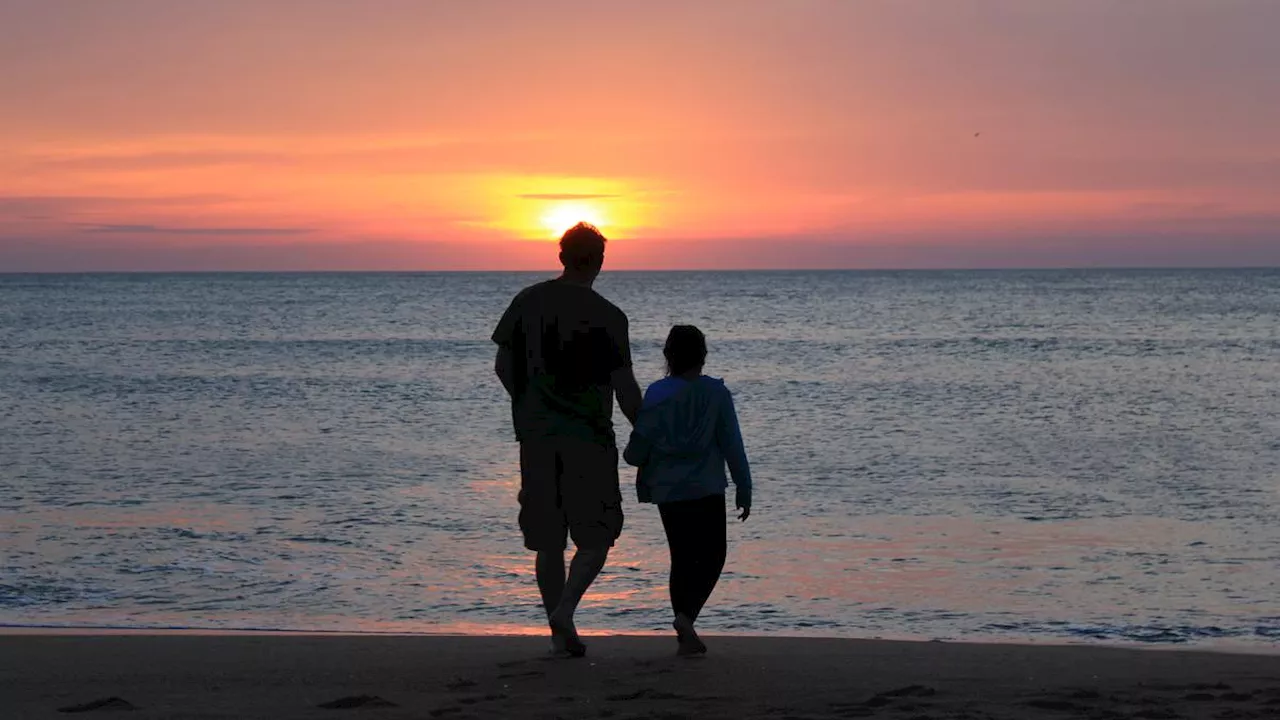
690,643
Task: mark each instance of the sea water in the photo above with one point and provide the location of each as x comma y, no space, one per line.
1054,456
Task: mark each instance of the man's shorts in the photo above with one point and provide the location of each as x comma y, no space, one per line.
569,488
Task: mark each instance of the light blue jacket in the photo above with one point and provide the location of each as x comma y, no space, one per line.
686,434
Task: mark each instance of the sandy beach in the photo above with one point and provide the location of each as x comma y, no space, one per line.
311,676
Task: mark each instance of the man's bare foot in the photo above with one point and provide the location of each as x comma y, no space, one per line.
690,643
557,645
564,637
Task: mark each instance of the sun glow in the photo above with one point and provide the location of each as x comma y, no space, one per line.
541,208
561,216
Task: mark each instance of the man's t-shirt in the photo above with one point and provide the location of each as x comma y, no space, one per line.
565,342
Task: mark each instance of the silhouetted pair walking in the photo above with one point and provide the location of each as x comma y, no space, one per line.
563,356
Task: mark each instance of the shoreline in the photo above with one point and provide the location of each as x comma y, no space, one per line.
514,631
482,677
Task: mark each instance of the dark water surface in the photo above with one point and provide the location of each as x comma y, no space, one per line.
984,455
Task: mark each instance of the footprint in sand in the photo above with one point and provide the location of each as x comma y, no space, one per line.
1156,714
357,701
483,698
882,699
459,683
1192,686
525,674
649,667
104,704
1235,714
851,710
541,659
911,691
645,694
1060,705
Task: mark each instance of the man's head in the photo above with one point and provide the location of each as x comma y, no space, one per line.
582,251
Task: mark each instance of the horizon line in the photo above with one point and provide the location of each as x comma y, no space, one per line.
1029,268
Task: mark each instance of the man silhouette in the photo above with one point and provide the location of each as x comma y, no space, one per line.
563,354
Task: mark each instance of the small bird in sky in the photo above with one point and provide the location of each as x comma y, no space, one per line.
977,134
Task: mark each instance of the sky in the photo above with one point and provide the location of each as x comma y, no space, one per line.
413,135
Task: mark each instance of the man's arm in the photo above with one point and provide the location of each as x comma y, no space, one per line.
627,391
505,336
505,370
623,378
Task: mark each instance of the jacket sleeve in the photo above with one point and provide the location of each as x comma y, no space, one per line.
637,450
729,438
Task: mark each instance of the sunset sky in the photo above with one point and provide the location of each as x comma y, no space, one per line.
412,135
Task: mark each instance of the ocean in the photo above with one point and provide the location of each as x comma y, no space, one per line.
1046,456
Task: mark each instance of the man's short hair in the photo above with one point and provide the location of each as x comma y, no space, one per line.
582,246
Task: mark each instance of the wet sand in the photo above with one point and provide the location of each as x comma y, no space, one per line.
317,676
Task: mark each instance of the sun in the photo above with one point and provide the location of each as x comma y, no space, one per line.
561,216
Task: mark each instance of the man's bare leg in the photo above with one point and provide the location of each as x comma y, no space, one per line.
549,568
583,570
550,572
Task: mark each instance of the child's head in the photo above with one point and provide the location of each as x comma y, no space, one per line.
686,350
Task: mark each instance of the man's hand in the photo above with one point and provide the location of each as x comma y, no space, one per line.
627,390
746,513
